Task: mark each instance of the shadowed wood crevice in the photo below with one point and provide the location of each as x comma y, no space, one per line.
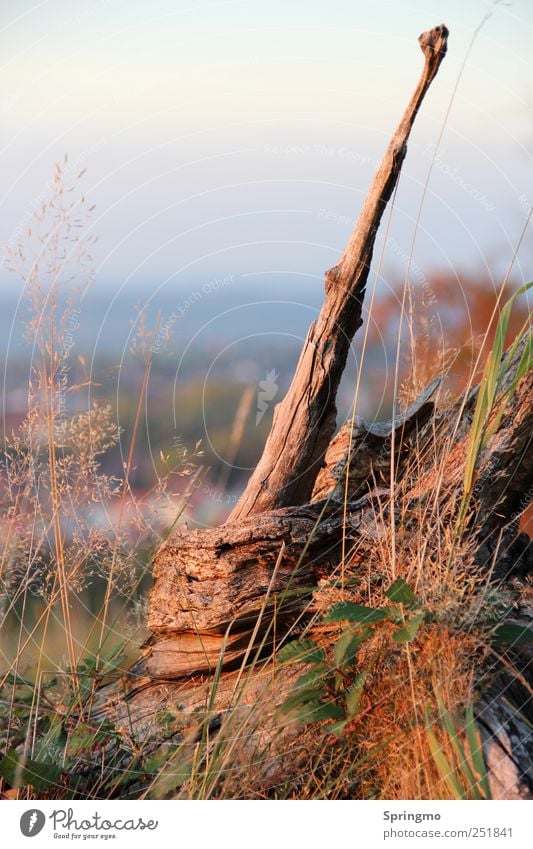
361,451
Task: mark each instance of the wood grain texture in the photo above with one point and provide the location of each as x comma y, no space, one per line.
304,421
206,580
208,583
360,454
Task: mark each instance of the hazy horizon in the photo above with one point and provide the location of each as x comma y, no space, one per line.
232,138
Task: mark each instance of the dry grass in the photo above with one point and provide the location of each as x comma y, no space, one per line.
55,548
60,552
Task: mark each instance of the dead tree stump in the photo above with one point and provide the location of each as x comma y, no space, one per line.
220,595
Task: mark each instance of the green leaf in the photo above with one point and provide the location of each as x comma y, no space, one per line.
18,681
316,711
353,696
310,694
401,593
161,758
317,675
464,767
410,629
337,728
347,610
526,360
27,699
476,752
328,710
126,776
511,634
110,660
348,645
169,779
20,772
84,738
468,774
444,767
52,737
301,651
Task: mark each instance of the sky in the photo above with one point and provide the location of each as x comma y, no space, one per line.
240,137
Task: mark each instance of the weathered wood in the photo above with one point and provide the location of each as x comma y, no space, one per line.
304,421
359,455
211,587
211,583
185,653
220,594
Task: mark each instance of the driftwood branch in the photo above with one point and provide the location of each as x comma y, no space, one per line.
223,595
304,422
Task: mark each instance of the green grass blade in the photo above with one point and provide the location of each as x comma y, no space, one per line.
445,769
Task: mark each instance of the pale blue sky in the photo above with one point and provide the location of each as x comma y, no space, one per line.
240,137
